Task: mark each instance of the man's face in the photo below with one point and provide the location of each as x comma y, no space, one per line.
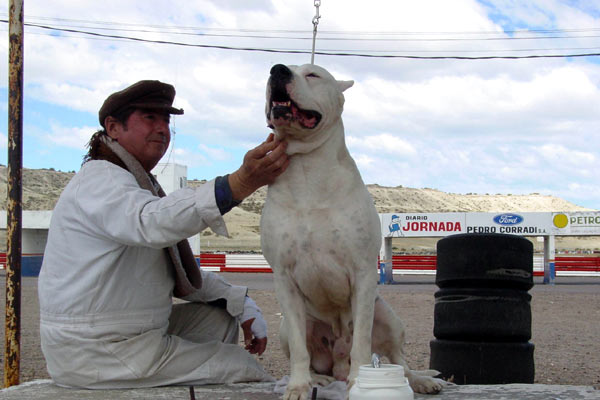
146,135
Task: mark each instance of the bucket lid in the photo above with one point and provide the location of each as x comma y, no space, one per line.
387,375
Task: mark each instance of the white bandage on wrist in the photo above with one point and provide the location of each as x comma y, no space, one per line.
251,310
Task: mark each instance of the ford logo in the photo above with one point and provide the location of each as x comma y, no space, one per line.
508,219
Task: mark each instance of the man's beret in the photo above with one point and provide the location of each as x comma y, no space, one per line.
150,95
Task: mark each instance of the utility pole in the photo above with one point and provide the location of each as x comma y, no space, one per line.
12,353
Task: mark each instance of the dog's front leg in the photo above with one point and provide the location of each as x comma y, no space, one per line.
388,340
293,308
363,301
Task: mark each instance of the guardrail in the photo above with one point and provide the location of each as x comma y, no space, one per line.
578,265
233,262
402,264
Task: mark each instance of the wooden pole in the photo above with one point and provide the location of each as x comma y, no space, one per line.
12,354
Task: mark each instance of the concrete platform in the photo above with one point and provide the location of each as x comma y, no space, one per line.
45,389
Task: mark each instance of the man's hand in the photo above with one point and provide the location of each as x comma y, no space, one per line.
254,345
254,327
261,166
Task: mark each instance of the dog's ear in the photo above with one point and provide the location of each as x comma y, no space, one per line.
343,85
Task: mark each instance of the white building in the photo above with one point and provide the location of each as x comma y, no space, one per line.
170,176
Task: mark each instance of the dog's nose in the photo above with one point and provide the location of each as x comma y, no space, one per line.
281,72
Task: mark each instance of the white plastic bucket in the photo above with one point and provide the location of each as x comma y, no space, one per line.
384,383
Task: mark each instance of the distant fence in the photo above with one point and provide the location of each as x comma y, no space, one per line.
234,262
578,265
402,264
30,263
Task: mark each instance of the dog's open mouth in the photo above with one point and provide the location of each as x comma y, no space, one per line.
283,112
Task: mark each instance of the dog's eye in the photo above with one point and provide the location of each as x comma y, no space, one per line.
312,75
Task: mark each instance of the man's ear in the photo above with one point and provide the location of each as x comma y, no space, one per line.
113,127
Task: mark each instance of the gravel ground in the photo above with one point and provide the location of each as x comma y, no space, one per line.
566,326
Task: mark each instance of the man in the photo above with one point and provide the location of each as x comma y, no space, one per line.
116,254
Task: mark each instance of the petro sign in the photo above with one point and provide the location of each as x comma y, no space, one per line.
525,224
579,223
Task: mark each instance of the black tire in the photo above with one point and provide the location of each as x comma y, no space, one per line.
473,363
489,315
485,260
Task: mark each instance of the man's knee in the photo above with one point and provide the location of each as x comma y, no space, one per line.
198,322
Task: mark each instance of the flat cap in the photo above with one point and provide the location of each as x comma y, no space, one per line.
151,95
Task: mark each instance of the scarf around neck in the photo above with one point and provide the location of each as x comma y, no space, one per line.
187,273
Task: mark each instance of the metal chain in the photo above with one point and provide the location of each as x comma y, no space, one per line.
315,22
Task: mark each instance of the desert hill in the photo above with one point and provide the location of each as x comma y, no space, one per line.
42,188
243,221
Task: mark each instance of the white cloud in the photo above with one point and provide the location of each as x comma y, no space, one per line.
215,153
72,137
558,96
560,153
382,143
364,161
185,157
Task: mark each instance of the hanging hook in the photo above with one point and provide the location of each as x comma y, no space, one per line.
315,22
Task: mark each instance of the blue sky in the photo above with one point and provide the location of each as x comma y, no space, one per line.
461,126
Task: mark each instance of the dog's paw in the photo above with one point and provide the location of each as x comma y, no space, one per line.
321,380
349,383
297,392
427,384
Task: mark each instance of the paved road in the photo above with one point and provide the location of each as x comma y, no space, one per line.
264,281
426,283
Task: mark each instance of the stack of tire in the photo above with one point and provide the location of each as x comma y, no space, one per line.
482,314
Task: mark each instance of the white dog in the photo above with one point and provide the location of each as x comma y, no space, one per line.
321,234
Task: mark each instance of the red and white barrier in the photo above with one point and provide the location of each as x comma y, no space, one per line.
402,264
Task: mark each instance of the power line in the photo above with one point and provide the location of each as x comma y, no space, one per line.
400,33
68,35
268,34
324,38
324,53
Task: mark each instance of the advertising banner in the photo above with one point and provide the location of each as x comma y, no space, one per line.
576,223
525,224
422,224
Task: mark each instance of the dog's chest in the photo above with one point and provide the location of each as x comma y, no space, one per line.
321,250
319,227
327,230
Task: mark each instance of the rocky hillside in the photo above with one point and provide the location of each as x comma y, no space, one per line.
42,187
243,221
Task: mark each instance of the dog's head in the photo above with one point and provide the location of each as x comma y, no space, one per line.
302,100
